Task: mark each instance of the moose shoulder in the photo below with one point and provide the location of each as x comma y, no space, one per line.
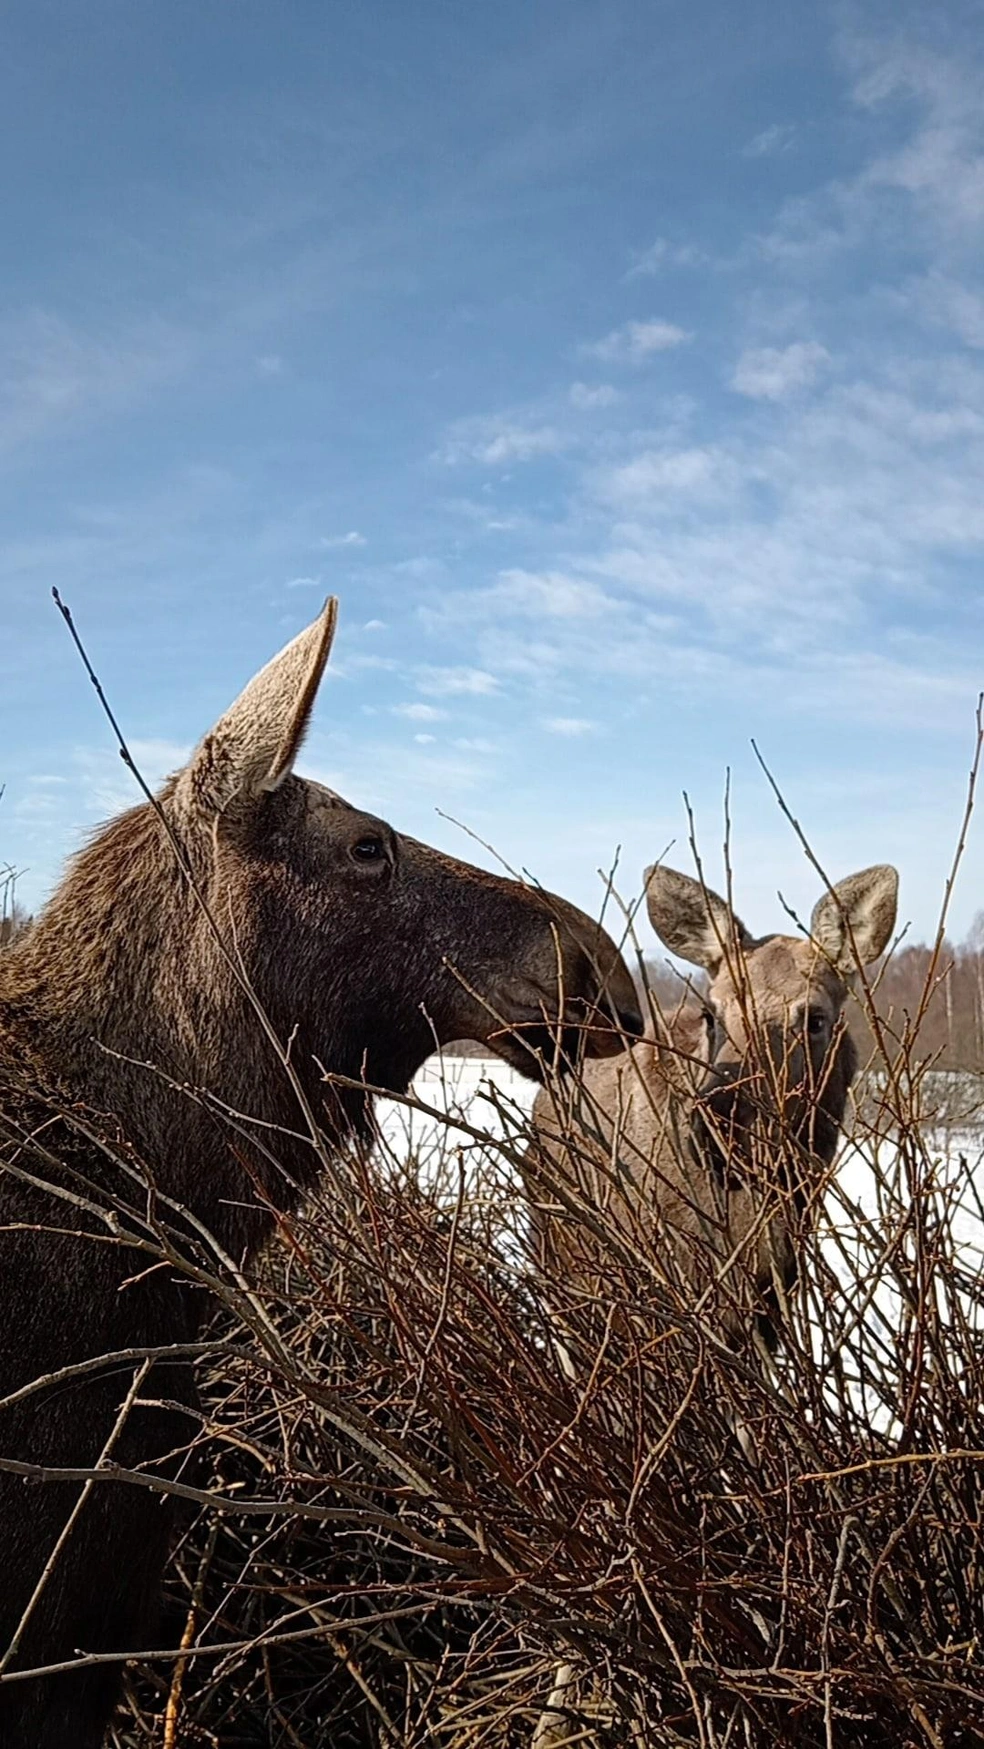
244,888
699,1142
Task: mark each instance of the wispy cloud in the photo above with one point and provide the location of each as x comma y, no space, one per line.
542,595
352,539
569,727
948,303
378,664
771,373
940,167
662,255
777,137
54,374
419,713
591,395
927,189
109,787
440,682
660,479
498,441
635,342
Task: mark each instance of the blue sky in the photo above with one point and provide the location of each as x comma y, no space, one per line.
620,366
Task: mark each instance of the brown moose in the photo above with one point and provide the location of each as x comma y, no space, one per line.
705,1136
244,887
700,1145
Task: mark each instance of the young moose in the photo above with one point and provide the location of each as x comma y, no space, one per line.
364,948
703,1137
697,1144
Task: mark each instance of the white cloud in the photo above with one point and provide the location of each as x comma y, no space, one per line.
861,503
304,583
483,516
497,441
109,787
662,255
419,713
655,477
54,375
374,625
518,595
941,167
425,740
421,565
270,364
550,593
634,342
772,140
399,779
568,726
352,539
771,373
387,664
948,303
474,681
588,395
926,191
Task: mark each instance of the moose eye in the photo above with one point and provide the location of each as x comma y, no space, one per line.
368,850
816,1022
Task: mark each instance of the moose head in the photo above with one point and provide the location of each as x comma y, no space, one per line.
777,1053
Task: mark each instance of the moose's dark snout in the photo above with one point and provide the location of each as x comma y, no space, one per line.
723,1115
620,1008
629,1021
617,1018
723,1087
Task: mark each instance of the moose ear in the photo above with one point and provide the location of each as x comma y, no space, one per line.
852,923
253,746
691,920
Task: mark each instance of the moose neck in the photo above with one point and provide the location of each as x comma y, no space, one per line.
123,1002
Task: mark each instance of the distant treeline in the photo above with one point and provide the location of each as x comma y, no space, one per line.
11,926
13,917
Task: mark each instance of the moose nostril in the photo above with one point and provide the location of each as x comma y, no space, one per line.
726,1074
630,1021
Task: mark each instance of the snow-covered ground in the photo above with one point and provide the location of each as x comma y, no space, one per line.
865,1234
484,1091
492,1097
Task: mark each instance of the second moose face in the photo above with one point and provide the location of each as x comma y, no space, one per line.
776,1047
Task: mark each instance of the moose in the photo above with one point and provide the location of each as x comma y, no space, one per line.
226,948
700,1143
704,1137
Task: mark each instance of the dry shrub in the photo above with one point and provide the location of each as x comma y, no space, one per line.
449,1514
401,1513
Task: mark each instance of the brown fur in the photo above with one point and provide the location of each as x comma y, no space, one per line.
364,961
704,1140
